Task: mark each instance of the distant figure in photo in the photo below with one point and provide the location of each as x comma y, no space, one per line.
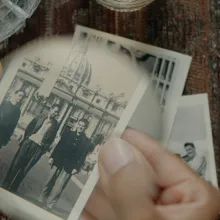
38,138
97,142
92,158
9,116
68,159
196,162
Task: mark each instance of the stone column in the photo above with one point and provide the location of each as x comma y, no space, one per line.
27,102
62,115
64,121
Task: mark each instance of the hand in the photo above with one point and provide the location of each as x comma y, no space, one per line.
50,161
140,180
74,172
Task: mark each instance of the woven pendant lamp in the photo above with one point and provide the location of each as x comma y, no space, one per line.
124,5
13,14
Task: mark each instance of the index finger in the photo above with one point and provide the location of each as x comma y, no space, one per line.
169,169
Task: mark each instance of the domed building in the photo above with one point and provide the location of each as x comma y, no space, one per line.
77,69
72,92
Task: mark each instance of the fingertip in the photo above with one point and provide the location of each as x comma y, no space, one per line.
111,142
86,216
133,136
116,154
128,132
131,131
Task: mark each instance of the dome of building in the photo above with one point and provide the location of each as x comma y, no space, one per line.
78,68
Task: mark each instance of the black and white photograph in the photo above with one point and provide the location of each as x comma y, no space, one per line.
191,137
161,65
161,70
52,124
64,98
167,72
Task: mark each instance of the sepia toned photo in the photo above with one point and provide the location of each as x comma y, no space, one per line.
53,123
64,98
161,70
167,72
161,65
191,137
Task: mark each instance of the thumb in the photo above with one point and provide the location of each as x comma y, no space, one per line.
128,181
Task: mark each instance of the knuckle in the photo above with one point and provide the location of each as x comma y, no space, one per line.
208,194
137,213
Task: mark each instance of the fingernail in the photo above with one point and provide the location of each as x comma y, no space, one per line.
114,135
116,154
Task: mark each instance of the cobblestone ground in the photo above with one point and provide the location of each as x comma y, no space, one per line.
35,180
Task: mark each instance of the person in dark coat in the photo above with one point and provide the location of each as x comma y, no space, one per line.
38,138
68,157
9,116
97,142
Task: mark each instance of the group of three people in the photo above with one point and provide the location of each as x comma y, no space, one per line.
66,159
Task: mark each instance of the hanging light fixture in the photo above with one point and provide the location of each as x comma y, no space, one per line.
124,5
13,14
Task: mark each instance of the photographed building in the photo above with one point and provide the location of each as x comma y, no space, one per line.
159,67
72,92
161,73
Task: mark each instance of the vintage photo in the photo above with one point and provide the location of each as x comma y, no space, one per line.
163,66
52,124
64,99
161,71
167,72
191,137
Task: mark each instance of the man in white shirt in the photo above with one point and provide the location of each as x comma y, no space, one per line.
196,162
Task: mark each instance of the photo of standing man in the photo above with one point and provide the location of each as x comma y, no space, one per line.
39,135
9,116
68,159
195,161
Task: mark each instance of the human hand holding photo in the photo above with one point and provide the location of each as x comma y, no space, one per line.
140,180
